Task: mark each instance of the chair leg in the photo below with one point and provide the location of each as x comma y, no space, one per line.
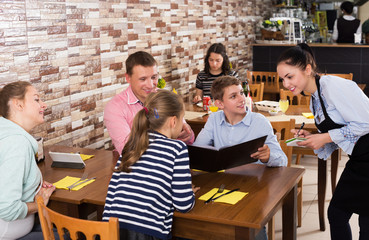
271,229
298,158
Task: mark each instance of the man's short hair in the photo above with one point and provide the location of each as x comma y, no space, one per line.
139,58
347,6
219,84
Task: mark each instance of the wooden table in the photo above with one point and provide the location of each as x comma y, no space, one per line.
268,188
198,123
90,198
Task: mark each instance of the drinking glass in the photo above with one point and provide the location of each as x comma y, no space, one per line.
213,108
283,105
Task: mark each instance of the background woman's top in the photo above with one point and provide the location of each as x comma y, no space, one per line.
19,174
347,105
19,178
204,81
160,181
344,29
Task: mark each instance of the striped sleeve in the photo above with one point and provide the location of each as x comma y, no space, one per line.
183,196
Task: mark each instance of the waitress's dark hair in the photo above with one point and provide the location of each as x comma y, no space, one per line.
347,6
219,49
299,56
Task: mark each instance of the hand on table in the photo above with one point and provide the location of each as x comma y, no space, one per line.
46,190
263,154
195,189
196,99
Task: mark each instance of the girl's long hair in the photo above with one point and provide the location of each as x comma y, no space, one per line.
159,106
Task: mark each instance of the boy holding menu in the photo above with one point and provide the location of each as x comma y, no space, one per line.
236,124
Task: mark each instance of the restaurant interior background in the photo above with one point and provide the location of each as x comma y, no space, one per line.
73,51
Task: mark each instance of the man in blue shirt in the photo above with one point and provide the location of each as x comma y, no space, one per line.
236,124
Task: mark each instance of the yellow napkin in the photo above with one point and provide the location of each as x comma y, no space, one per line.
67,181
308,115
231,198
85,157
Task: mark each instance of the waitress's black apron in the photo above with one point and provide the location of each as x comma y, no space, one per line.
352,191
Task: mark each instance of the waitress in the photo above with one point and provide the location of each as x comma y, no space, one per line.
347,25
341,112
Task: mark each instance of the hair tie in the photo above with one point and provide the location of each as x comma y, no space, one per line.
156,114
146,111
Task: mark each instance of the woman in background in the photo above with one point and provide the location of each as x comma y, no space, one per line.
341,113
216,65
21,109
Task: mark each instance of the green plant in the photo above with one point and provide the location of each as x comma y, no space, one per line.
271,24
161,83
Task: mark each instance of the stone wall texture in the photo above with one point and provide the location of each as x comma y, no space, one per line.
73,51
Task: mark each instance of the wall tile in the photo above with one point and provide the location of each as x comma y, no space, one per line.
73,51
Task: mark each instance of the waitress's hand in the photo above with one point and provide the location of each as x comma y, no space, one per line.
303,133
316,141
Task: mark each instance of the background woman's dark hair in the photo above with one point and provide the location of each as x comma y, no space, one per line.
299,56
347,6
219,49
160,105
12,90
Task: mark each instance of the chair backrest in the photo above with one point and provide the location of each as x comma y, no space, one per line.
294,100
257,91
348,76
282,129
75,227
266,77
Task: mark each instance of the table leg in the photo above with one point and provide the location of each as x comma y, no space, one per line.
322,183
335,157
244,233
289,213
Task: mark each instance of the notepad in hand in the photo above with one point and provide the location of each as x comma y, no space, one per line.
210,159
293,141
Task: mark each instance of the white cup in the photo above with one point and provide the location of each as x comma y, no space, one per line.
357,38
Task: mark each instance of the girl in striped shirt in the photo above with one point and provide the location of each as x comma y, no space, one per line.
152,177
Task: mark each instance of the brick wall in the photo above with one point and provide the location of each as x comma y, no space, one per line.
73,51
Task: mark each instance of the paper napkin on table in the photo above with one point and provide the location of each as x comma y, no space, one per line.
85,156
231,198
67,181
308,115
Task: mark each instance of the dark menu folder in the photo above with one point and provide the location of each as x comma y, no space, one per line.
212,160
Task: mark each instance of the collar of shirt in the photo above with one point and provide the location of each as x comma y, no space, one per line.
349,17
131,97
246,120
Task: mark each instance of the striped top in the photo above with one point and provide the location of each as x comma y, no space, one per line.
204,81
160,181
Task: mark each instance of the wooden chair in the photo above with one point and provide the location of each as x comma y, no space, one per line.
257,91
282,129
75,227
297,100
348,76
294,100
270,80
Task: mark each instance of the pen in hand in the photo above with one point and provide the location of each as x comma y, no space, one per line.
302,125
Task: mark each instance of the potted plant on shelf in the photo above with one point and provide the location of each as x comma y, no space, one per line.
271,30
